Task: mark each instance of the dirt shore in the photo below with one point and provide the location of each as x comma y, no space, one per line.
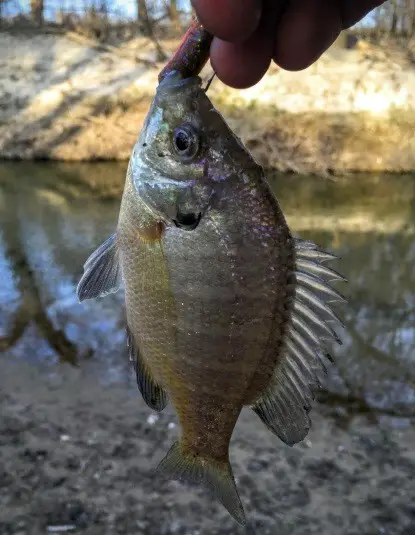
78,456
66,98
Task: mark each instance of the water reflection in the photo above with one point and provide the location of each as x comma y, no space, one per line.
53,216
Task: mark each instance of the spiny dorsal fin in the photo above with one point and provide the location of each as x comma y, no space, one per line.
215,475
101,272
286,402
153,394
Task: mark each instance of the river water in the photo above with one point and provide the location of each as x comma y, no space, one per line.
53,215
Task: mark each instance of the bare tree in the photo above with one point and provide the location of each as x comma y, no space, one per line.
394,17
410,14
36,11
143,17
146,24
174,15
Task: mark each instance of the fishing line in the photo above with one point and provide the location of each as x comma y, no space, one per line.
210,81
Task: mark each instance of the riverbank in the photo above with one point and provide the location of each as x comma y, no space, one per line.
79,456
64,97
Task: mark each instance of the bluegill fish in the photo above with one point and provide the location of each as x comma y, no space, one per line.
225,308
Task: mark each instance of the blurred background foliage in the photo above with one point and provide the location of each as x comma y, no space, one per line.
394,18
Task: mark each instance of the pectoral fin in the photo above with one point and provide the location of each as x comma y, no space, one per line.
101,272
153,394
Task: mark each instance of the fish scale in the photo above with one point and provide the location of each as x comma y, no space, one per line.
225,308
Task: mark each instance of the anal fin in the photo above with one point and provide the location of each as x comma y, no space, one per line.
282,409
101,272
153,394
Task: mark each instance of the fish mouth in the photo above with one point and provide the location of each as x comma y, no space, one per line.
175,83
187,221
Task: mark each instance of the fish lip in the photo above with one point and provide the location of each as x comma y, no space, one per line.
175,83
187,221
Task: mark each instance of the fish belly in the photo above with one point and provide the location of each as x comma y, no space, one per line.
228,279
150,310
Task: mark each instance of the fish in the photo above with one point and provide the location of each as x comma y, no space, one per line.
225,307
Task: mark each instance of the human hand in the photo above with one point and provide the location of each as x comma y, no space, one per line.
251,33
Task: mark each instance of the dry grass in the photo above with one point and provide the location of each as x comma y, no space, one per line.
87,101
324,143
106,127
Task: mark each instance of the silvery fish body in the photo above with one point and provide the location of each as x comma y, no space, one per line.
225,308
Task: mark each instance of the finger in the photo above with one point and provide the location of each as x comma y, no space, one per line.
230,20
306,30
241,65
352,12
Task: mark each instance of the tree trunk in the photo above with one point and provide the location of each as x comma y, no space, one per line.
143,18
174,16
411,28
146,25
36,11
394,23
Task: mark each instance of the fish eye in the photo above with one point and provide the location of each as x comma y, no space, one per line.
186,142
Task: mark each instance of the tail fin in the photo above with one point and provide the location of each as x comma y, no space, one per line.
213,474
